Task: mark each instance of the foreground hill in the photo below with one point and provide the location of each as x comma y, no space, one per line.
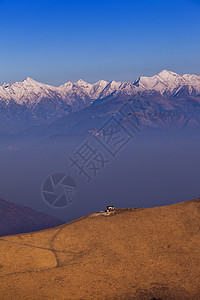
16,219
151,253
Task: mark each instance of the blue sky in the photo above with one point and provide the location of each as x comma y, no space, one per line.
55,41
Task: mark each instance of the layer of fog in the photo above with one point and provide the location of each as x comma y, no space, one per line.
149,171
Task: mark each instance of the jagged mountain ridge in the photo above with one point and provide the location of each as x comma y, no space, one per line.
170,83
30,92
30,103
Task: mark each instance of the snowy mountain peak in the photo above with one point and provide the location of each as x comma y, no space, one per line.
67,84
115,84
101,82
166,73
29,82
81,82
29,79
165,82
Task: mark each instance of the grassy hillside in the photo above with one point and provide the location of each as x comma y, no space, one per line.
129,254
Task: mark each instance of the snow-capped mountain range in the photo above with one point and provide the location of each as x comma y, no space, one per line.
30,92
80,94
30,103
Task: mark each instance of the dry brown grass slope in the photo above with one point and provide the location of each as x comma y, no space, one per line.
140,254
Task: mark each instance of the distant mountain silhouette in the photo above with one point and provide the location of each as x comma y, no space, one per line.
16,219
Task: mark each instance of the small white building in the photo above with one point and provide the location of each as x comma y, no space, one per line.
110,208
